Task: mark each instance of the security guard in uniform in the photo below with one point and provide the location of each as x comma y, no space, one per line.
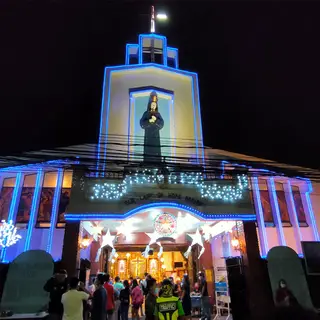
167,306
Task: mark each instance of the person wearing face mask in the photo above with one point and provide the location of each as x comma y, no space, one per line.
152,123
284,296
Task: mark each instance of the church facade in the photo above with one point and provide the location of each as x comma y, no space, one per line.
156,199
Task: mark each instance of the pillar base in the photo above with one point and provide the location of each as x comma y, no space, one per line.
259,293
71,251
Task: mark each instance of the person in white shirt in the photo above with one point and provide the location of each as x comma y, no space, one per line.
73,301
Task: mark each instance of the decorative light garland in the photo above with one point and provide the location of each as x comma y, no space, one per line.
8,234
114,191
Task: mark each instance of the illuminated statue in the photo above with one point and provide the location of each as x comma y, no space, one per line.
152,123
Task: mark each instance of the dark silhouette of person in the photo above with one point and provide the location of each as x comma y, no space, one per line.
152,123
284,296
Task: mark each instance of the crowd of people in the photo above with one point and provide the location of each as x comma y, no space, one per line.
106,299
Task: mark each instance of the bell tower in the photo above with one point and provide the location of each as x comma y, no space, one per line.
151,67
152,48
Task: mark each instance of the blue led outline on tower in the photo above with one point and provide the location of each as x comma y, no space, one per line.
129,126
155,36
34,206
108,75
176,57
128,55
13,207
199,116
55,208
149,91
101,119
194,117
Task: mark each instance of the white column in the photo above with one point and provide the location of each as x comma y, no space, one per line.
34,208
293,215
1,182
260,219
55,209
276,211
307,206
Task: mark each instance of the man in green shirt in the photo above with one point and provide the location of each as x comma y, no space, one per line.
167,306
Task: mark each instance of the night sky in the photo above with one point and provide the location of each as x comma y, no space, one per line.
258,65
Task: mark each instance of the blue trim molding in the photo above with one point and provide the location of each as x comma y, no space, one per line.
114,216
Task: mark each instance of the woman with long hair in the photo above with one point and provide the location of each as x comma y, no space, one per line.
185,296
136,299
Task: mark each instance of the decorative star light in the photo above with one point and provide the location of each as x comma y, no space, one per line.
121,229
196,239
112,254
8,234
206,229
160,251
98,255
96,232
125,229
153,237
107,240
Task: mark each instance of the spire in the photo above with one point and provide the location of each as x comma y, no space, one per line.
153,20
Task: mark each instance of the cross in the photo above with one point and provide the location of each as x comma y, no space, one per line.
153,20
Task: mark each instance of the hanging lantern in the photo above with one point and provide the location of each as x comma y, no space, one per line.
85,242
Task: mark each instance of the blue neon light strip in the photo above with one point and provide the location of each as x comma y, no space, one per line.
131,99
196,86
13,207
34,207
30,167
194,120
128,55
176,57
101,120
55,208
295,222
260,218
277,216
154,36
119,216
311,213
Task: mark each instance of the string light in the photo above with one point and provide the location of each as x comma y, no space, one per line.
212,191
8,234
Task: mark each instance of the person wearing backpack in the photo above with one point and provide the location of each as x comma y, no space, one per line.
168,306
